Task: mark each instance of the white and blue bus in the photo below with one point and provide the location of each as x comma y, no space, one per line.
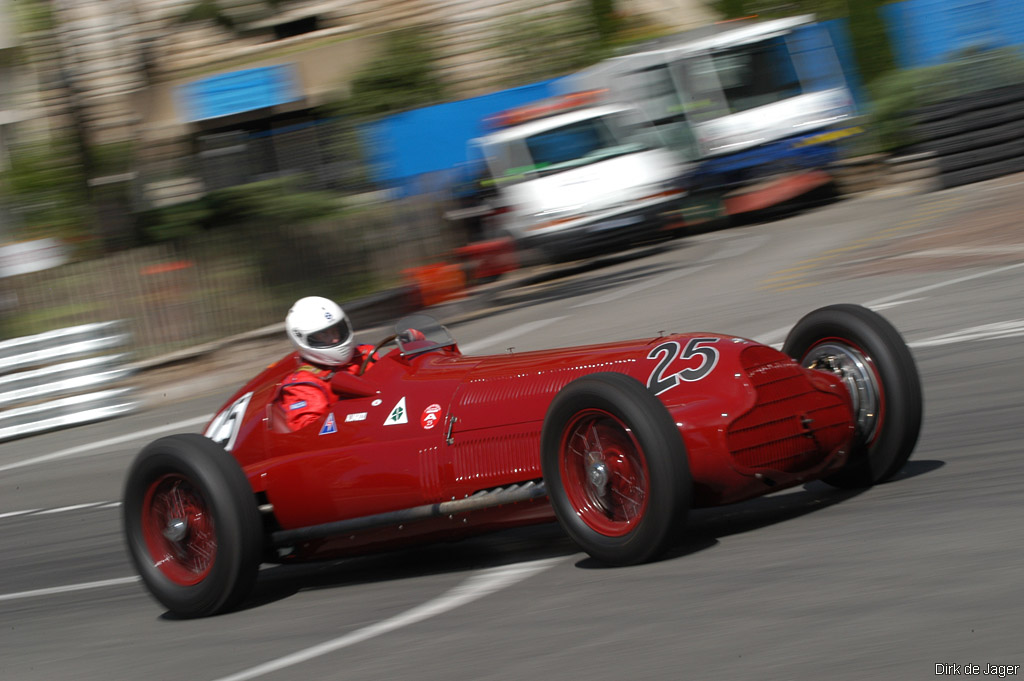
757,108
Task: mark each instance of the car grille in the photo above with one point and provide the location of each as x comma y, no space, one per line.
792,425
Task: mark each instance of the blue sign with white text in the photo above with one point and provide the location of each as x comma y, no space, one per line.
238,91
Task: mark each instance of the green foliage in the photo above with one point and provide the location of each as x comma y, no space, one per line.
208,10
893,97
869,39
542,43
273,202
45,188
606,20
403,77
174,222
897,94
33,16
111,159
867,29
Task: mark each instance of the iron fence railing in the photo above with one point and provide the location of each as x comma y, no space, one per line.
227,281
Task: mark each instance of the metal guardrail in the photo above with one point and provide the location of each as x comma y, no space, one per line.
62,378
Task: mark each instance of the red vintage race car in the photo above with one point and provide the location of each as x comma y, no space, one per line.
616,441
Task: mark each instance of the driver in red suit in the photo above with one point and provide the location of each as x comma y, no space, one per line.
319,329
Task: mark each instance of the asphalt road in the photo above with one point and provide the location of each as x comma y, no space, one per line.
807,583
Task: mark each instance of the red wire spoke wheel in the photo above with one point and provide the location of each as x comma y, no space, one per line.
192,527
605,474
615,468
869,356
179,530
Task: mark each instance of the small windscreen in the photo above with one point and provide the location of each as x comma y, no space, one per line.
418,333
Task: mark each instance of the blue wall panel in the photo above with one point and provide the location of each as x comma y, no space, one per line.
435,138
927,32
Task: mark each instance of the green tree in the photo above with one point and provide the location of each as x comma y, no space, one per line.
46,191
867,29
403,76
541,43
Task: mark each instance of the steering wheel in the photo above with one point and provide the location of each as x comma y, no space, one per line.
376,348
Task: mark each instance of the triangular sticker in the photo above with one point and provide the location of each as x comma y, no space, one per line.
330,425
397,415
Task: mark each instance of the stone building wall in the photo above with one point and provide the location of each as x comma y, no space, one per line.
113,66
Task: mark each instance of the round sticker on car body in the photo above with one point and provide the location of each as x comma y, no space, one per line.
430,416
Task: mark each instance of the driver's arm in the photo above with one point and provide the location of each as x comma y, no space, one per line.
303,404
410,335
359,357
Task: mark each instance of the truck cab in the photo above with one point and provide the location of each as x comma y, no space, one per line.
567,177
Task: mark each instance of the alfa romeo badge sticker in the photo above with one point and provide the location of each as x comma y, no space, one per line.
397,415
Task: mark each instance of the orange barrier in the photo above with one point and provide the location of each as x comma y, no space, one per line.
436,283
486,260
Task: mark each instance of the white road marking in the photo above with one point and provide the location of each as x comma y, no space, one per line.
775,337
640,286
941,284
521,330
69,587
481,584
1010,329
11,514
62,509
120,439
76,507
966,250
895,303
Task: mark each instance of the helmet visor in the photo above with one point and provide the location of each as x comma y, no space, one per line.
335,334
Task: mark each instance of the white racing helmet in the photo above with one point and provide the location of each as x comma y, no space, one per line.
320,331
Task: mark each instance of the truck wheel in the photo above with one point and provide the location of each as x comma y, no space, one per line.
192,526
870,357
615,468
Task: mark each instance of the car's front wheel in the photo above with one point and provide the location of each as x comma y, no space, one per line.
615,468
192,526
865,351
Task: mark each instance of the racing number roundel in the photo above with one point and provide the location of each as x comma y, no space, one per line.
430,417
659,381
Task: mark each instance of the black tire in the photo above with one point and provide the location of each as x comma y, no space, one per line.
651,471
982,156
1007,132
969,122
967,103
188,477
886,435
988,171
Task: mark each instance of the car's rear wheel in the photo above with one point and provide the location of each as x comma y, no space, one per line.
192,526
869,356
615,468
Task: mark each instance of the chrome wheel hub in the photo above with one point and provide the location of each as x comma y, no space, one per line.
852,368
176,529
598,475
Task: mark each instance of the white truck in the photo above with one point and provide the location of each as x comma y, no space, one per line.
564,178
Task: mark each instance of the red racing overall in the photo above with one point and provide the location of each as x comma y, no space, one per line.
306,395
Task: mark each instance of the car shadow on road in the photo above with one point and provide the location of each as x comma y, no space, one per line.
505,547
706,526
